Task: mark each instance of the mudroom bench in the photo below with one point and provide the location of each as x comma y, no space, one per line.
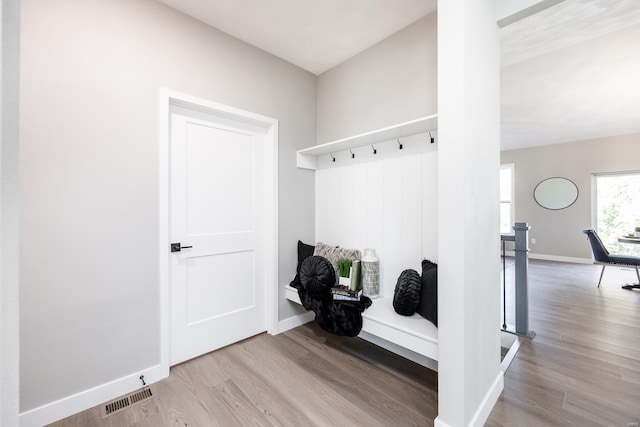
412,337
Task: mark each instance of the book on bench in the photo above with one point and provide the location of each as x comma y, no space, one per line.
340,293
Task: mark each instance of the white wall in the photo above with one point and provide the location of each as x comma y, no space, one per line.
469,376
559,233
392,82
9,289
89,118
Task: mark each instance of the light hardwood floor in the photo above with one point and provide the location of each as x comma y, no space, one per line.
582,369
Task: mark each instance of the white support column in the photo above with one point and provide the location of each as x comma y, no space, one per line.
9,319
469,375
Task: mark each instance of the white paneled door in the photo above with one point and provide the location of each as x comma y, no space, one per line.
217,223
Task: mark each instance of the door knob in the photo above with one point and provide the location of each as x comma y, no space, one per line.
177,247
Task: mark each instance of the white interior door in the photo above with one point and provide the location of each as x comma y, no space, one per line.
217,295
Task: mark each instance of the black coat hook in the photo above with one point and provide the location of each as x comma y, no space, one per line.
399,145
353,156
374,150
333,159
431,136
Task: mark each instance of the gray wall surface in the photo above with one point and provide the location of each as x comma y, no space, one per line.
9,285
559,232
392,82
89,176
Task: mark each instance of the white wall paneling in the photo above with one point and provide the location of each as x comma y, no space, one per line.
430,211
359,213
391,251
322,204
375,206
381,201
412,210
343,191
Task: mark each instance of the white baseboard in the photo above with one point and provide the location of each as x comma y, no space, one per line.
557,258
87,399
511,354
487,404
439,423
484,409
295,321
573,260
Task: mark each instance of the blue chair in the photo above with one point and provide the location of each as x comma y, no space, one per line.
602,256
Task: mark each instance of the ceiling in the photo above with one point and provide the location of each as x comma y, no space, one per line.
569,73
315,35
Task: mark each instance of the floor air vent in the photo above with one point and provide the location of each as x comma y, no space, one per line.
122,403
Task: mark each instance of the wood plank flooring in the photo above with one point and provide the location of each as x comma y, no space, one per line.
583,366
582,369
304,377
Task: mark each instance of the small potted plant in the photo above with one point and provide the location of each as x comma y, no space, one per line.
344,271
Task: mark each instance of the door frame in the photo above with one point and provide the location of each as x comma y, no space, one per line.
167,98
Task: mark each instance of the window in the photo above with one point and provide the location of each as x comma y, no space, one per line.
617,209
506,199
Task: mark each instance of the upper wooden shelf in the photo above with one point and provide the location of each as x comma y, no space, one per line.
308,158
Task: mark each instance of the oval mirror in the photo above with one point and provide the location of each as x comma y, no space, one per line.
555,193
